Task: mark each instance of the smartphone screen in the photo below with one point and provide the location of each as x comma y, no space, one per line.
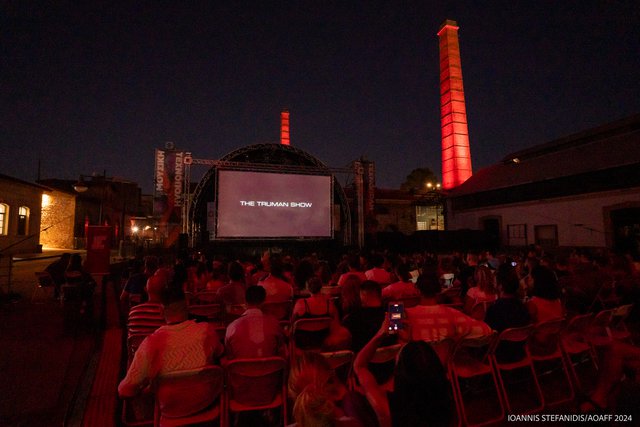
396,313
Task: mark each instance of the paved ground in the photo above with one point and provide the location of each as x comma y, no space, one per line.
45,350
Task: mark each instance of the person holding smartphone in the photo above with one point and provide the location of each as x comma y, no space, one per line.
421,393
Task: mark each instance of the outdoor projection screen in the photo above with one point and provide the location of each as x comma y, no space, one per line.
273,205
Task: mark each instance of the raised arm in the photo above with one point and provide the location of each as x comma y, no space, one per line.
376,396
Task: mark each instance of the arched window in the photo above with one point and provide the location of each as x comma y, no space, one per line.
23,220
4,218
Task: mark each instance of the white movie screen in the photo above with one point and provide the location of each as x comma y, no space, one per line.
260,204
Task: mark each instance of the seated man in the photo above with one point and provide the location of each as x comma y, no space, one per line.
180,344
377,273
254,334
403,288
278,289
430,321
152,309
363,322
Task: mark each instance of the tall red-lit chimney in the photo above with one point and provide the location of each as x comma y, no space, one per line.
456,156
284,127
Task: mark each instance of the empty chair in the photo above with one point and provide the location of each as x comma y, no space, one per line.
309,334
255,385
518,357
189,397
544,347
470,359
576,346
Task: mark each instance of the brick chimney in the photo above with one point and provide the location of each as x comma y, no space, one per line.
456,156
284,127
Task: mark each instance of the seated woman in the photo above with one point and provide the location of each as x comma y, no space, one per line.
484,289
316,306
421,392
545,303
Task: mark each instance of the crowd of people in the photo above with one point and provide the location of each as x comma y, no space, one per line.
441,296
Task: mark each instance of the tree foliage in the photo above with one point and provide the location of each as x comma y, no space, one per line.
416,181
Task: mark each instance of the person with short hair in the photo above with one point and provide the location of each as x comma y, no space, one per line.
278,289
233,292
179,345
430,321
545,303
254,334
377,273
403,288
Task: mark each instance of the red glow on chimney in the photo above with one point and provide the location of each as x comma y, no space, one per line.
284,128
456,155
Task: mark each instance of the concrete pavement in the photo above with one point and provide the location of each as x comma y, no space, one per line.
48,351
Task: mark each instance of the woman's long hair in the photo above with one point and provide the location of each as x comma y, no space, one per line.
421,394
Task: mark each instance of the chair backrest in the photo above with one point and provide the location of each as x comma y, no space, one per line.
207,311
545,337
386,354
184,393
341,362
204,297
281,310
477,348
520,334
256,382
512,345
444,349
601,322
309,334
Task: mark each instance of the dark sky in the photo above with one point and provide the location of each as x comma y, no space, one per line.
96,86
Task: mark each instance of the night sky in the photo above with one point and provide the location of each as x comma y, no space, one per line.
96,86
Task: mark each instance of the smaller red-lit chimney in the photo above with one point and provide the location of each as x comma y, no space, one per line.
284,128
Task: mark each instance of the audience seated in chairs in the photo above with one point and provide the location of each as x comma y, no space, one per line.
254,334
421,392
317,306
179,345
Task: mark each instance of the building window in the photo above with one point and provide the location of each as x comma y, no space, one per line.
429,218
517,234
23,220
546,235
4,218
